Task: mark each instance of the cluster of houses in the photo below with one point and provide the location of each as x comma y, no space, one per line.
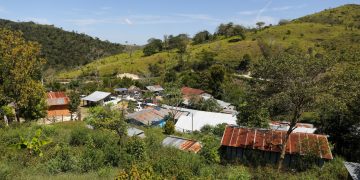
237,143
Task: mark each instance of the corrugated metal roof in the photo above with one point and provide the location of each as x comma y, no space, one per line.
284,126
135,132
120,89
271,140
150,115
182,143
96,96
154,88
188,91
57,98
353,169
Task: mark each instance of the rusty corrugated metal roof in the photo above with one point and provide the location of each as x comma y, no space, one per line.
57,98
182,143
188,91
271,140
149,115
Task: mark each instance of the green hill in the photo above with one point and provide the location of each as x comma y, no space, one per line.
308,34
347,15
63,49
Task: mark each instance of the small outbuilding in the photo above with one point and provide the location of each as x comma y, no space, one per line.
251,144
121,91
155,88
58,106
97,98
182,144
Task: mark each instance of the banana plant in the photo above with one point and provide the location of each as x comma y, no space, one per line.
33,145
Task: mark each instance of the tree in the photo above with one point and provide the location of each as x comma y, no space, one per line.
104,117
153,46
253,113
20,75
260,24
217,77
169,127
293,80
245,63
179,42
229,30
74,103
283,22
173,98
154,70
201,37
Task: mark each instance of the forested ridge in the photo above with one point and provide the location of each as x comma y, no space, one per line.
63,49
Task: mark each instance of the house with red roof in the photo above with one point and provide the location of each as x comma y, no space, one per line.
264,145
58,103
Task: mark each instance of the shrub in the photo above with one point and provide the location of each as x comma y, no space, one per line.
64,161
238,173
136,148
169,127
79,137
92,159
5,172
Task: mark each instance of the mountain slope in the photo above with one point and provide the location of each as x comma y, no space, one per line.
313,38
348,15
63,49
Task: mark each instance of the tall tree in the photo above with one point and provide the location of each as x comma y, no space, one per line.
293,80
260,24
74,103
20,75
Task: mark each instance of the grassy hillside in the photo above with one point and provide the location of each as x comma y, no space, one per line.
347,15
309,34
63,49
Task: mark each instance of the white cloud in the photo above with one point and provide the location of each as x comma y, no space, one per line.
128,21
147,19
248,12
267,9
38,20
105,8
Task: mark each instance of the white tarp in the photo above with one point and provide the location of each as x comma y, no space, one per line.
195,120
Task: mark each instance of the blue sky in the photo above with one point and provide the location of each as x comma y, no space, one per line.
135,21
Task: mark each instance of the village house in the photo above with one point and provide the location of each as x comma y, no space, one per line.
182,144
121,91
150,117
96,98
250,144
189,93
157,89
58,106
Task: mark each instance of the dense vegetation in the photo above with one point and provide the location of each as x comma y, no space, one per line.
73,151
63,49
